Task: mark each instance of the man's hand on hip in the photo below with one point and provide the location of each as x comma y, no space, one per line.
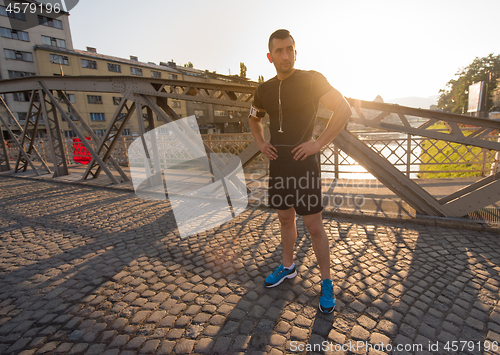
302,151
268,150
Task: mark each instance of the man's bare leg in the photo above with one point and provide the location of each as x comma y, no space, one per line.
288,234
320,243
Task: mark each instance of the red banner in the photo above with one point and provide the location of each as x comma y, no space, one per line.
81,154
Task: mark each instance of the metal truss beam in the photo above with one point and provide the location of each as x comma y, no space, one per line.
53,129
217,167
28,135
151,95
55,104
418,112
478,198
154,171
473,197
249,154
27,157
4,153
476,138
93,136
391,177
229,95
19,146
110,139
29,126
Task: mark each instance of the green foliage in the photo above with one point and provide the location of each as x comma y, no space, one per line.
456,160
189,65
454,98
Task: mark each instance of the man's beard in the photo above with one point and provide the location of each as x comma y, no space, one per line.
286,69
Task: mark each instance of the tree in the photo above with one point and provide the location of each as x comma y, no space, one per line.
454,97
261,79
189,65
243,70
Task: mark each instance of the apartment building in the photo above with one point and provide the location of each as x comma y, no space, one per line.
214,118
98,108
47,50
17,42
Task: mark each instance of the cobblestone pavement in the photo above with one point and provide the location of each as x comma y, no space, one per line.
98,271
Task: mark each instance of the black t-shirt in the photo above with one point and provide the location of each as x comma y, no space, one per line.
300,94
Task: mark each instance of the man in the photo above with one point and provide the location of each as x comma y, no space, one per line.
291,100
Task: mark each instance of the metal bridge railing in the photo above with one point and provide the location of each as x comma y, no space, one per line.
417,157
395,144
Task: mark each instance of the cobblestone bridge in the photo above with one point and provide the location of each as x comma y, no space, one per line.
87,270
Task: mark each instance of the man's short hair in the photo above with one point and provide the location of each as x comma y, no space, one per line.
279,34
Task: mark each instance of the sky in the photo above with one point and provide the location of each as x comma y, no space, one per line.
365,48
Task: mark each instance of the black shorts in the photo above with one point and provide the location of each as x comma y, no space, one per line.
295,183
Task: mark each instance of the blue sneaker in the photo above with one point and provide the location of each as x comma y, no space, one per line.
278,275
326,301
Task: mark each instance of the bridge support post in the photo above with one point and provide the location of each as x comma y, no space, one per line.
4,153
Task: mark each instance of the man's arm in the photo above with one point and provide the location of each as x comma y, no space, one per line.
334,101
266,148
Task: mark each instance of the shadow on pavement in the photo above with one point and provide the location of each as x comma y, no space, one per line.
88,270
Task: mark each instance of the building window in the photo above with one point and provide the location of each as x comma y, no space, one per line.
136,71
176,104
59,59
172,76
70,134
94,99
51,22
117,68
18,55
91,64
14,34
99,132
71,117
116,100
219,113
14,74
71,98
97,116
21,116
12,14
126,132
54,42
156,74
22,96
199,113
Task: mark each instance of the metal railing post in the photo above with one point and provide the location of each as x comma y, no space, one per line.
336,162
483,164
408,155
494,164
